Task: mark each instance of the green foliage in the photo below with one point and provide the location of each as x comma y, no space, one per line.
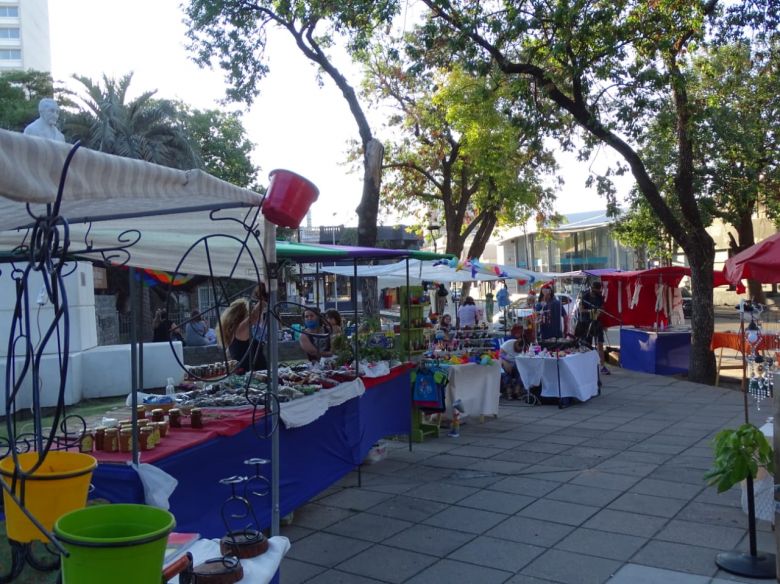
738,454
20,92
105,119
233,34
221,144
465,144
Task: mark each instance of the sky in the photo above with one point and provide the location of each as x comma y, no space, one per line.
296,123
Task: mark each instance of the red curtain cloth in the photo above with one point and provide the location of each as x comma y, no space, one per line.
620,289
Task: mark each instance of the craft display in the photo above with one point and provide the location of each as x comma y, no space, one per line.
761,367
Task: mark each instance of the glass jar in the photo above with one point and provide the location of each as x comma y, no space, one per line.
140,412
163,428
100,438
125,440
158,415
145,441
196,418
111,442
86,441
174,417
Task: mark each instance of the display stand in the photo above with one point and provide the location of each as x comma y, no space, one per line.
422,429
412,320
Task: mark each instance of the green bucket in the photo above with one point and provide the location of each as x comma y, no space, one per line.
121,544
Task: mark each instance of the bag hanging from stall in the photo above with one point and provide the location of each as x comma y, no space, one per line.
442,291
429,386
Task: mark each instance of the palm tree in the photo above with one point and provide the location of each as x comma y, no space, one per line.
144,128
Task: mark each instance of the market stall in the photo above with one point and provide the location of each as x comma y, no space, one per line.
312,456
477,386
574,375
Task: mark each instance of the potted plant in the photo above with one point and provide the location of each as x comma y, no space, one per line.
739,454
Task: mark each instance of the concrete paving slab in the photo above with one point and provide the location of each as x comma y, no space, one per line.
558,511
614,546
316,516
648,504
369,527
296,572
452,572
339,577
701,534
565,566
678,557
626,523
525,486
466,519
355,499
497,502
326,549
535,532
636,574
497,553
428,539
584,495
387,564
408,508
682,491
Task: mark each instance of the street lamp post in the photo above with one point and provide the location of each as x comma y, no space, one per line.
433,227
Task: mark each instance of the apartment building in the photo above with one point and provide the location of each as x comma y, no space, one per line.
24,35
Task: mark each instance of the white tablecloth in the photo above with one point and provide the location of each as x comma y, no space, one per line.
305,410
258,570
579,374
478,387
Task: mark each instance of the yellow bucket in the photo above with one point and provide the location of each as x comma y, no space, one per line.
59,485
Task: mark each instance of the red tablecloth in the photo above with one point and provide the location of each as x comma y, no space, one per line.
217,422
731,340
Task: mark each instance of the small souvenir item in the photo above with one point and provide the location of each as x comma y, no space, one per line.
111,442
174,417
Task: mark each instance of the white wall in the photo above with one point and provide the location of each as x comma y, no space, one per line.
92,371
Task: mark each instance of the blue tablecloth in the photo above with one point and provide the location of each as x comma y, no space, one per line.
662,352
312,458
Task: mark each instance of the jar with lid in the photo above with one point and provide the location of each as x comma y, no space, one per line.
158,414
86,441
100,438
111,442
163,428
140,412
125,440
196,418
145,441
174,417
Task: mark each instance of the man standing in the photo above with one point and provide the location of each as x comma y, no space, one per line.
589,326
46,125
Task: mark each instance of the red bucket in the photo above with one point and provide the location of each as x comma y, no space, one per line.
289,198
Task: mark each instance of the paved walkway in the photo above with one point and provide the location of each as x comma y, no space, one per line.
610,490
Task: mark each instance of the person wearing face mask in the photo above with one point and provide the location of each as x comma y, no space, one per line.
315,340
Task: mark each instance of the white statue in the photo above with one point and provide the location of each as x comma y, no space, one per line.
46,125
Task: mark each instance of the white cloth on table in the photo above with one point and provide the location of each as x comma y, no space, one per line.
478,387
257,570
158,484
305,410
579,374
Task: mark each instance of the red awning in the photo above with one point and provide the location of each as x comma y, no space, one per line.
758,262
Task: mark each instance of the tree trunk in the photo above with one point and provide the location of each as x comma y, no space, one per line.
702,360
477,247
747,237
367,215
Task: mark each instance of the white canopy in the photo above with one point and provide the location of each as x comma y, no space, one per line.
391,275
99,186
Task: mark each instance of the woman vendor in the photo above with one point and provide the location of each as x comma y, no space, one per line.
242,330
315,340
549,318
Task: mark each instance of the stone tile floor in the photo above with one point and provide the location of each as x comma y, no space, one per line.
606,491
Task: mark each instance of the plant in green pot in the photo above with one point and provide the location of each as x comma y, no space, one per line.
739,454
